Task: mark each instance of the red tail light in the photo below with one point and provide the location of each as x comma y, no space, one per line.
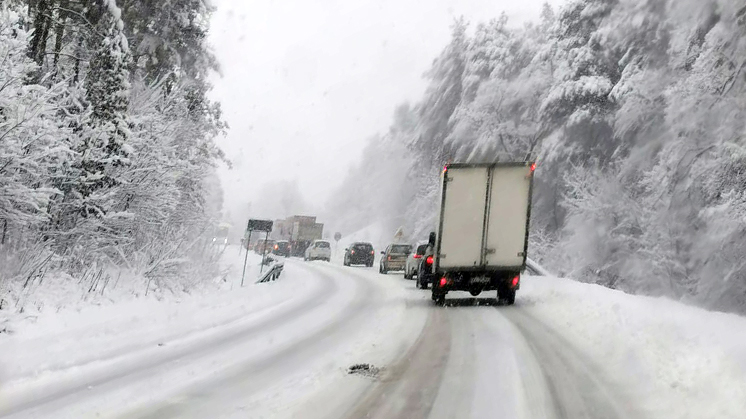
515,281
443,282
352,252
277,247
417,256
372,252
389,258
429,260
533,166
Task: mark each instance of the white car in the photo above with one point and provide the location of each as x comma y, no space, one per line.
319,250
412,266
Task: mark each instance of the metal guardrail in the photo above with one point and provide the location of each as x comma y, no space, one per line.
272,273
536,269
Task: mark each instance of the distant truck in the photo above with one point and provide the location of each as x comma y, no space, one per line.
300,231
482,234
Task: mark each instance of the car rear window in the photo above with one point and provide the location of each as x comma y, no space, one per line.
322,245
401,248
362,246
421,249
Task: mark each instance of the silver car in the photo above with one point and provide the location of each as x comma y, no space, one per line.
319,250
394,257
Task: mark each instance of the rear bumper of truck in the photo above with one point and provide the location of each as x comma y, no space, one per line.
476,281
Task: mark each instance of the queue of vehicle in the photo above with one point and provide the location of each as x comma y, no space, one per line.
481,239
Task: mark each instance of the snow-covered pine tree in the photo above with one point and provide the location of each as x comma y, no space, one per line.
103,146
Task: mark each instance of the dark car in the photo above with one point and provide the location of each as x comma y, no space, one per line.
282,248
359,253
425,273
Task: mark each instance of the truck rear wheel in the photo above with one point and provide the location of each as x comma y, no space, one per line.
506,296
439,297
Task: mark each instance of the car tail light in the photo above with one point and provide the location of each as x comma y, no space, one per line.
352,252
277,247
516,279
372,252
533,166
443,282
429,260
417,256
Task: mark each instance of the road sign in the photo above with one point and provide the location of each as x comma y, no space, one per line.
399,234
259,225
337,236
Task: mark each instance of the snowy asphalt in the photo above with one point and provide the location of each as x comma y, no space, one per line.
471,358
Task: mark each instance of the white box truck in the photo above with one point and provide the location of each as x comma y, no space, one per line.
482,235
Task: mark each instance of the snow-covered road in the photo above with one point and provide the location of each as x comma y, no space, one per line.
537,359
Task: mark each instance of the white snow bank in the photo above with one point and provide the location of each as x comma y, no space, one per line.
52,343
686,361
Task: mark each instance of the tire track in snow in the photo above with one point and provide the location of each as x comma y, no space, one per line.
144,367
409,387
578,388
225,390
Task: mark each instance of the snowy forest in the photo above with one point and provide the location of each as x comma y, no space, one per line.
634,111
107,145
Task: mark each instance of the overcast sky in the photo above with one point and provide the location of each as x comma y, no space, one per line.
305,82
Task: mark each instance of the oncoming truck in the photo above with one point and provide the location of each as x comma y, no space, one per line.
482,234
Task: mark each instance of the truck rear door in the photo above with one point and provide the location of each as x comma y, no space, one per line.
463,208
507,224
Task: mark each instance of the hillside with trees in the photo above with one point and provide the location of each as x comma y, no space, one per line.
107,145
634,111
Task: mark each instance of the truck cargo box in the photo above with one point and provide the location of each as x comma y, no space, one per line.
484,217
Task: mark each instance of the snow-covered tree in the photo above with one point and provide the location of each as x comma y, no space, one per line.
106,163
635,111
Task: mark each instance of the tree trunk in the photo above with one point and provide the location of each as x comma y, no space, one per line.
62,19
5,231
78,52
42,24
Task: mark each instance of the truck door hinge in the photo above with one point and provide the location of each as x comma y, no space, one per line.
489,251
521,254
443,256
448,179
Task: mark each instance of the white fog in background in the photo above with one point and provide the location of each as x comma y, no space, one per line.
305,83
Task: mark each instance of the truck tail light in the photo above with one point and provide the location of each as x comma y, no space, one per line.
417,256
429,260
515,280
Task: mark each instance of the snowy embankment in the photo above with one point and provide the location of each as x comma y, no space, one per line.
76,341
682,361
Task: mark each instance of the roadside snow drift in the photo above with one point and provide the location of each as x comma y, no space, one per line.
73,341
684,361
